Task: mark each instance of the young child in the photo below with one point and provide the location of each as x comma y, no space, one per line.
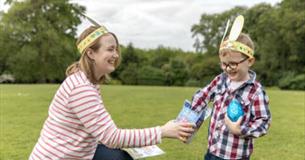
227,139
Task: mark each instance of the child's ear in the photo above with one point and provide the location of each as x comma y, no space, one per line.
251,61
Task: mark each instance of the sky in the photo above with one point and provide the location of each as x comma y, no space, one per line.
151,23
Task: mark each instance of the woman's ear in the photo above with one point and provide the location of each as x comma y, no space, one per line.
90,54
251,61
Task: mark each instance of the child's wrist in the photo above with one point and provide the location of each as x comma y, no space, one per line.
236,131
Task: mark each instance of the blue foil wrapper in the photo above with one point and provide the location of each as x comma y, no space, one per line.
234,110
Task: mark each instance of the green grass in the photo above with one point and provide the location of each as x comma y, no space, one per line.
23,109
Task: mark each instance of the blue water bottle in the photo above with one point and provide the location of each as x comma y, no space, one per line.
234,110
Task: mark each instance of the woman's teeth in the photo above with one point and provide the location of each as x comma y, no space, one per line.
111,61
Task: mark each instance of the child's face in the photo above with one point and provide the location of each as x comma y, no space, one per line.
236,65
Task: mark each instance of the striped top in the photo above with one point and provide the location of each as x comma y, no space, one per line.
77,121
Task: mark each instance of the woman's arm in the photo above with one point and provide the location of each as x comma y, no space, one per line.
86,103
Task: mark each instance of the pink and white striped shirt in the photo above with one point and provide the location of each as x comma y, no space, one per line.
78,121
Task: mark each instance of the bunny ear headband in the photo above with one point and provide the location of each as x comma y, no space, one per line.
86,42
231,42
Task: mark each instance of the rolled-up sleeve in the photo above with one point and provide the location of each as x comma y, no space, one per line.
203,96
261,117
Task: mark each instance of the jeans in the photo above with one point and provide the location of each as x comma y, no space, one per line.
209,156
104,153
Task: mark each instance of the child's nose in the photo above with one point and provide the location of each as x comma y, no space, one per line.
228,69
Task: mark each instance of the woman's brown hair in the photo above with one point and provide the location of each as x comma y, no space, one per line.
86,64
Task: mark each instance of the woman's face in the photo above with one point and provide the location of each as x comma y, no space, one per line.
107,56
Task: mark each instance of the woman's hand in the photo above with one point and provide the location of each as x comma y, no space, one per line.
178,130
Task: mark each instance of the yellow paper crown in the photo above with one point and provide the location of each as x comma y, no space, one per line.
86,42
237,46
91,38
231,42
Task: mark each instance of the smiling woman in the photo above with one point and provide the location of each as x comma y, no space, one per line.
78,125
105,63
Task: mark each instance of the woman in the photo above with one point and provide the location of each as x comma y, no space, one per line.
78,121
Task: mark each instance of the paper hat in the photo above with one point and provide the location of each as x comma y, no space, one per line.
231,42
86,42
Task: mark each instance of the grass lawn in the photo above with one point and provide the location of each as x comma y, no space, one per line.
23,109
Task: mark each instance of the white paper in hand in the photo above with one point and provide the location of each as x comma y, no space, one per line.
144,152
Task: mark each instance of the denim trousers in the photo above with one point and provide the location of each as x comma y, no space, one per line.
104,153
209,156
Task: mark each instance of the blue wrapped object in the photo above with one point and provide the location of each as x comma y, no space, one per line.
234,110
189,115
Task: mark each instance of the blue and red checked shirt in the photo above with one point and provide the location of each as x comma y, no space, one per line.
255,122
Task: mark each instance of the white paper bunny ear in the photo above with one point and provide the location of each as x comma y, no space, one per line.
91,20
231,43
236,28
226,30
89,39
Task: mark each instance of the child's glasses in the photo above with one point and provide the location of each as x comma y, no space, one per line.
231,65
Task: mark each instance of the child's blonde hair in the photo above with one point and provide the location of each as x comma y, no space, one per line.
242,38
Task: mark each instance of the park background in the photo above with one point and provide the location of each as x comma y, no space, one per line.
37,43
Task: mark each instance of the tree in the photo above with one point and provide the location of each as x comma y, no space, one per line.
161,56
279,33
150,76
179,71
206,70
130,74
39,39
197,45
129,55
211,27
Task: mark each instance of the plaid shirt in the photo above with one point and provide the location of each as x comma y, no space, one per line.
256,119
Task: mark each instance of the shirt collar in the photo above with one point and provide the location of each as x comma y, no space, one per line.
85,78
252,75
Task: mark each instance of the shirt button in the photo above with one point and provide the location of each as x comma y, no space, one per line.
218,125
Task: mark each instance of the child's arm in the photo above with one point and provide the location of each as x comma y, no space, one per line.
261,117
202,97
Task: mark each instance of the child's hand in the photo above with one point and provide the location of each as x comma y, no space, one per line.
234,127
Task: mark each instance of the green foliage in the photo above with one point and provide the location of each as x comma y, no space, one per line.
193,83
38,39
130,56
150,76
132,59
130,74
211,28
161,66
178,71
292,81
24,109
114,82
205,71
277,31
160,60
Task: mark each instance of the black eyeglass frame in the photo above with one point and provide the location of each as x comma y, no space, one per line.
232,65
